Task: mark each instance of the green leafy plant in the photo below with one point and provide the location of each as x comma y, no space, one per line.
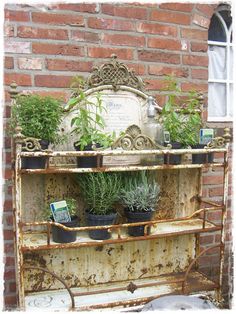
183,122
72,208
100,191
88,122
38,116
139,192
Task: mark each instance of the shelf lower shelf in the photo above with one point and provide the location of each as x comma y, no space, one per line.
38,241
161,285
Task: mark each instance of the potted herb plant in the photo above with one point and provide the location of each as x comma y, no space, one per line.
39,117
100,192
88,124
139,196
60,235
183,122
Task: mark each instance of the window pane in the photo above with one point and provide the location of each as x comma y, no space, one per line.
216,30
231,63
227,17
217,62
216,100
231,100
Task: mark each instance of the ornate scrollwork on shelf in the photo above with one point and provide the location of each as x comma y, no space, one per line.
216,142
114,73
31,144
133,139
220,141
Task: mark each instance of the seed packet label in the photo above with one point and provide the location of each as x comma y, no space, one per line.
206,136
60,211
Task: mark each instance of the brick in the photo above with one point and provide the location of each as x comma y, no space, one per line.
155,84
17,16
100,52
58,19
207,239
124,11
195,34
59,81
10,261
7,174
7,142
61,95
20,79
8,30
194,86
126,40
9,248
32,32
85,36
213,180
30,63
170,17
199,47
218,191
154,56
200,74
201,21
218,155
8,234
157,29
12,286
7,205
207,9
80,7
10,301
68,65
8,221
164,70
7,158
139,69
110,24
182,7
195,60
9,274
168,44
17,47
9,63
53,49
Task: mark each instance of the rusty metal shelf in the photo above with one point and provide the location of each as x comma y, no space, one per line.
118,168
38,241
147,290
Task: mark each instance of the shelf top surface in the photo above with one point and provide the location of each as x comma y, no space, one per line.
36,241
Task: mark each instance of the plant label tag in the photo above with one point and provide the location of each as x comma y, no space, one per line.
206,136
166,136
60,211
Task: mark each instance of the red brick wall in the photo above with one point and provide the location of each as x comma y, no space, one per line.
47,45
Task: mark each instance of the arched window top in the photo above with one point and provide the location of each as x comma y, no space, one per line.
221,25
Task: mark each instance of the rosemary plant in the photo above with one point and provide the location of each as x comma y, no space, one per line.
100,191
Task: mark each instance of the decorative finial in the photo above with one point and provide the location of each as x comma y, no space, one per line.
227,136
13,92
18,136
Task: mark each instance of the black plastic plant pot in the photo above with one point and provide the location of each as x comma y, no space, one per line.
201,158
100,220
132,217
88,161
60,235
35,162
173,159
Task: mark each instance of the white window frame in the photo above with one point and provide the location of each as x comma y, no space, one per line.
228,83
